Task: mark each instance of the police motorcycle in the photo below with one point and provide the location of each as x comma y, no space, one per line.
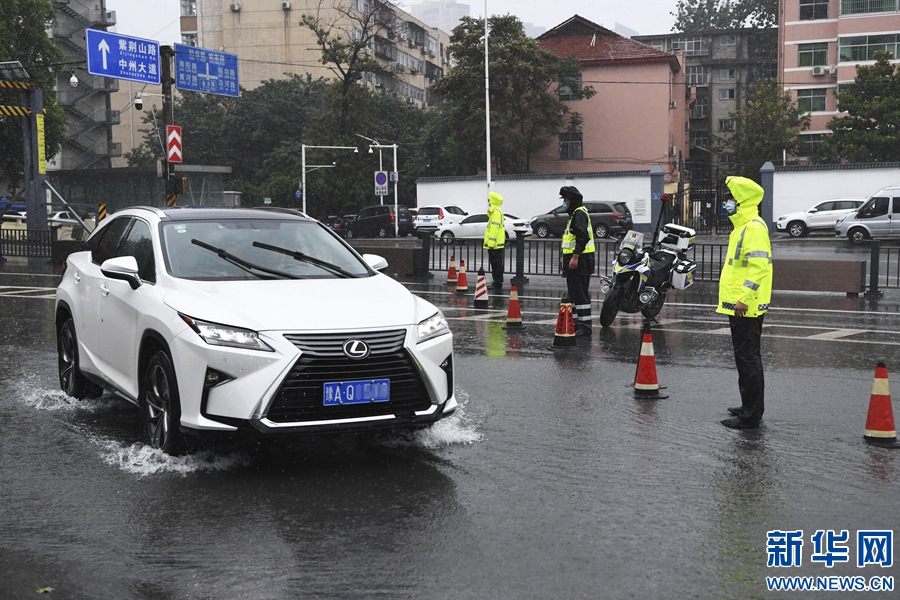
642,276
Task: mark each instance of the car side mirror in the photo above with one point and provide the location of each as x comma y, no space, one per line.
123,268
376,262
813,210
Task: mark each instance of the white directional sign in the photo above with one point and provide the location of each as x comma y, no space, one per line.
122,57
208,71
381,183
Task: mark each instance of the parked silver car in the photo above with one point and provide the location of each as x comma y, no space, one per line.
878,217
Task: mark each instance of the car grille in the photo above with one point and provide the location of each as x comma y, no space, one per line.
300,396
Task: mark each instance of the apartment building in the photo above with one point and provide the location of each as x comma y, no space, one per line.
718,66
821,42
637,118
269,41
89,115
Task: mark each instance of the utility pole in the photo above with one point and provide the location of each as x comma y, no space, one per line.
173,185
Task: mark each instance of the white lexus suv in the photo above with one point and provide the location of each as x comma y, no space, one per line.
241,319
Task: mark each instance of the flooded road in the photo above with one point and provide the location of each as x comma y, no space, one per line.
552,481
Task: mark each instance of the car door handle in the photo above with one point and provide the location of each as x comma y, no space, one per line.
104,289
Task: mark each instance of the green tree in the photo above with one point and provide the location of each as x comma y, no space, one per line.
767,126
525,113
23,37
871,130
701,15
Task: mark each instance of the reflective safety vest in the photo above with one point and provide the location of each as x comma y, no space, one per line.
568,238
747,273
495,234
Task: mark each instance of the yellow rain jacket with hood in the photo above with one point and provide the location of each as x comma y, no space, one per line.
747,272
495,234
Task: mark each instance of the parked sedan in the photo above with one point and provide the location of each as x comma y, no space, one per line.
474,226
241,319
821,217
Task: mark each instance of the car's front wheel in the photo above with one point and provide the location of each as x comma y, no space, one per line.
447,237
161,405
71,380
797,229
542,231
858,235
601,231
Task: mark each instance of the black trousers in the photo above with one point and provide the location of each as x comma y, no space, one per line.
577,282
495,260
746,336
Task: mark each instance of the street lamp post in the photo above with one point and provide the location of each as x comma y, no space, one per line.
396,181
303,165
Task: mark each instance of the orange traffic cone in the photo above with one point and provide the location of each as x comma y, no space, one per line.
646,386
462,284
565,325
481,295
451,273
880,429
513,313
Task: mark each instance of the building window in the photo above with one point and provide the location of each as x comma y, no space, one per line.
726,124
696,76
727,74
570,146
726,94
692,46
699,107
188,8
857,7
809,143
863,47
189,39
812,100
567,88
811,10
728,40
724,158
813,54
699,139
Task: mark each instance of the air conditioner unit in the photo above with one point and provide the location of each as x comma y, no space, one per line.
235,8
819,71
673,104
285,5
673,150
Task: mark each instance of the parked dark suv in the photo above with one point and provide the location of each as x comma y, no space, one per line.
378,221
607,218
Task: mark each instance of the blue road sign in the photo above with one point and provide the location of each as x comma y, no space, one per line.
122,57
298,194
655,196
208,71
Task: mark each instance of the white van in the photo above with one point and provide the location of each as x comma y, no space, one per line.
878,217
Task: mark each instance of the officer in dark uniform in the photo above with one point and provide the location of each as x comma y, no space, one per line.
578,257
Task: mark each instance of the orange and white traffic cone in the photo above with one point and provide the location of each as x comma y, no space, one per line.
513,312
880,430
462,284
451,273
481,295
646,386
565,325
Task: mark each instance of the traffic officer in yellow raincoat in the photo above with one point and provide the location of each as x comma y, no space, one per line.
495,238
745,290
578,257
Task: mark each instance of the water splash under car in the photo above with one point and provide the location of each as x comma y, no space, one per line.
241,319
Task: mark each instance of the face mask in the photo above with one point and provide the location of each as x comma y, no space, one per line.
730,206
565,205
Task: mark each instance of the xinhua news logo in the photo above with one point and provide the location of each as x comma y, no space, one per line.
829,546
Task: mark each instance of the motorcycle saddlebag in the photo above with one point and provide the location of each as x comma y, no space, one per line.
683,274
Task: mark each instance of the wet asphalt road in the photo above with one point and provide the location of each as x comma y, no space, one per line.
551,482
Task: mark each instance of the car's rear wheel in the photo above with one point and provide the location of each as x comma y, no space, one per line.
447,237
161,405
601,231
797,229
542,231
383,232
71,380
858,235
350,235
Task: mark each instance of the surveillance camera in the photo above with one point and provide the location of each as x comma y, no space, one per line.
139,103
73,81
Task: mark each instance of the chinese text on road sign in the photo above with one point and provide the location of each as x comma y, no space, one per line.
122,57
208,71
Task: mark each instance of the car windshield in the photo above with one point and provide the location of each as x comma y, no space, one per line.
323,256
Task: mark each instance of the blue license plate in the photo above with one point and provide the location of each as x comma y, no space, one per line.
337,393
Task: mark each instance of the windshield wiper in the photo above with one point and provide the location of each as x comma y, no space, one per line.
305,258
240,262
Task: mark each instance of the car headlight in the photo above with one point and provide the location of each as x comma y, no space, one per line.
215,334
782,218
839,221
432,327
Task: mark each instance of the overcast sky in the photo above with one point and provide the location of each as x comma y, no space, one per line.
158,19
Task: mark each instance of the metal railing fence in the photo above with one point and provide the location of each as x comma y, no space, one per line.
25,242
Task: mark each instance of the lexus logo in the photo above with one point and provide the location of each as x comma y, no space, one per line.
356,349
